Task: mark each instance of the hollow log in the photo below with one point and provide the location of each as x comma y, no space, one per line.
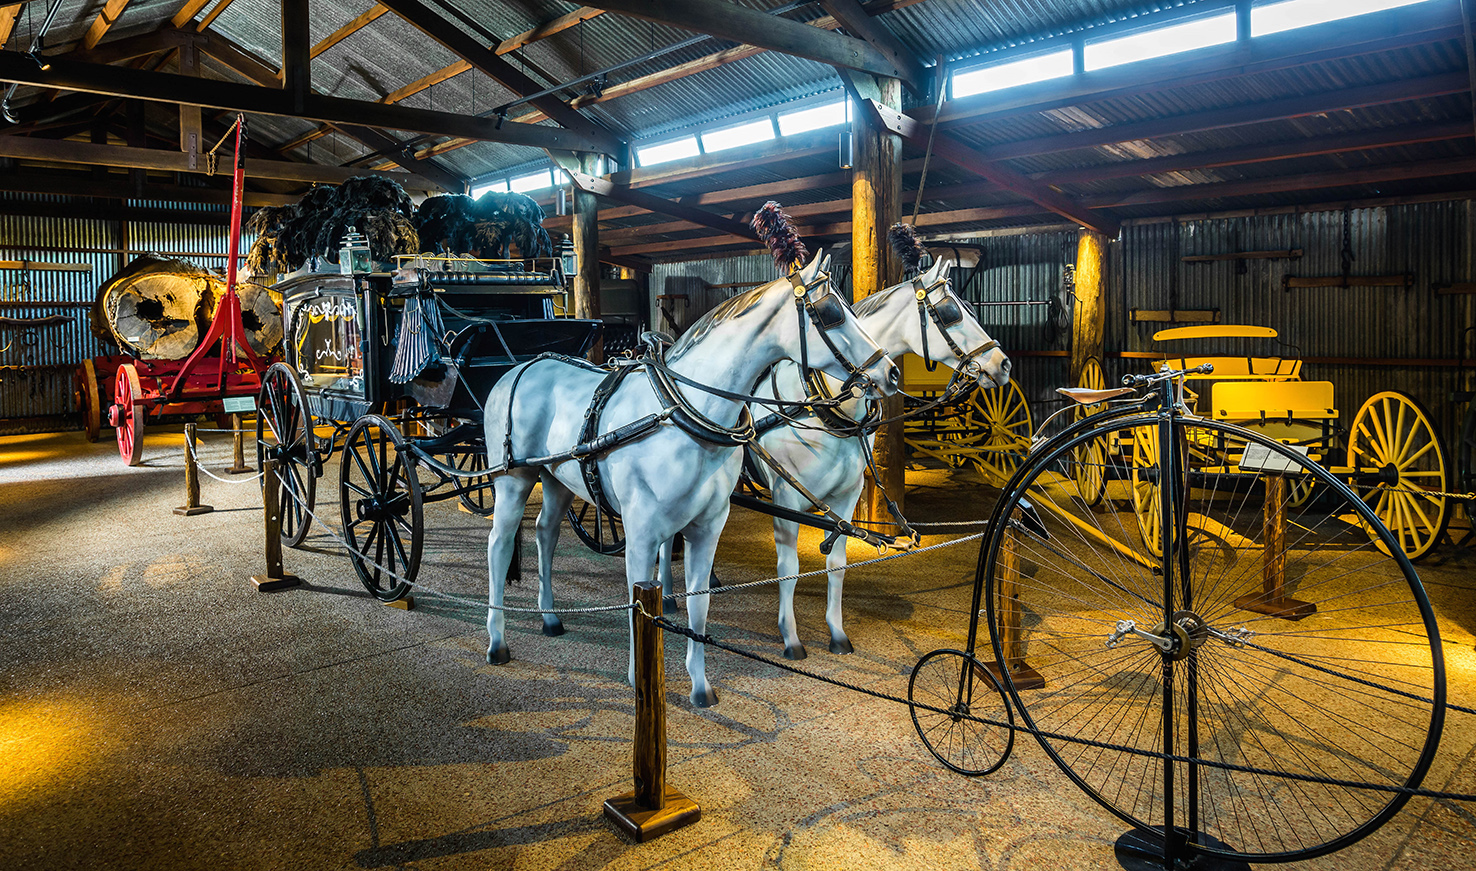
152,308
261,314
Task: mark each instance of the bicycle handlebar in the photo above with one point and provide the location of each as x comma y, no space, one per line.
1166,375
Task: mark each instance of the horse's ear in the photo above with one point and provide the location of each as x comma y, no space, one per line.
939,270
816,265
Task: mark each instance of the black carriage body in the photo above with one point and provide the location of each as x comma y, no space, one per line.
342,332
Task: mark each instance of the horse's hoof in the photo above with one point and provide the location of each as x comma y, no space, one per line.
669,604
553,628
841,646
704,699
713,582
795,652
498,655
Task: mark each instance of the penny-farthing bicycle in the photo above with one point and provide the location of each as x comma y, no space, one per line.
1259,685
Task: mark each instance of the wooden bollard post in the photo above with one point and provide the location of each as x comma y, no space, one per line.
192,504
1272,599
1006,582
653,808
275,577
239,445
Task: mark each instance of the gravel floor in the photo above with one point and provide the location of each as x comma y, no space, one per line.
157,712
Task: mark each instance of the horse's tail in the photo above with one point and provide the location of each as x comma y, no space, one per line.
776,229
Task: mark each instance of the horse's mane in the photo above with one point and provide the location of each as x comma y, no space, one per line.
871,302
732,307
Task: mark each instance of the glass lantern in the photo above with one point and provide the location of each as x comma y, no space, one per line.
353,254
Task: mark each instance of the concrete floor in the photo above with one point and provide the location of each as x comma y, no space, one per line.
157,712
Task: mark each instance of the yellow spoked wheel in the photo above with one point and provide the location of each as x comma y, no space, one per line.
1002,418
1147,470
1399,468
1089,461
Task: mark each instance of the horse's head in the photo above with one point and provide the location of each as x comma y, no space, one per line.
832,340
924,316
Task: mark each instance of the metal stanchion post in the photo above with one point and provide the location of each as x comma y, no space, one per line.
275,577
192,504
653,808
239,443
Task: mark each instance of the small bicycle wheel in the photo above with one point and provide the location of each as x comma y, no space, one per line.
955,687
1400,469
1002,415
1272,638
379,495
600,532
284,432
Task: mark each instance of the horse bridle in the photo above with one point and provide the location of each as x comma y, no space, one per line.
968,367
827,314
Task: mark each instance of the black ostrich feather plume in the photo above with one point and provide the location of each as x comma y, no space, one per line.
505,218
903,238
448,224
298,239
776,229
268,224
376,207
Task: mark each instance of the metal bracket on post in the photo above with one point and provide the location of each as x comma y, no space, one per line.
239,445
652,809
192,504
274,578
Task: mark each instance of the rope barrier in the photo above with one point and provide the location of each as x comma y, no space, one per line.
710,641
195,454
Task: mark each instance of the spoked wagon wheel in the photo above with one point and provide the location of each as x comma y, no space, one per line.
1089,464
955,682
285,433
131,417
600,532
89,400
1276,639
1003,415
379,494
1399,466
1147,499
478,501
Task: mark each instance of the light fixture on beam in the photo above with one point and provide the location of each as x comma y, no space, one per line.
846,148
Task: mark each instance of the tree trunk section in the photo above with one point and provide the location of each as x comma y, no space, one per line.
1088,317
586,236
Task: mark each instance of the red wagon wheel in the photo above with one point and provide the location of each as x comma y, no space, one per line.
128,399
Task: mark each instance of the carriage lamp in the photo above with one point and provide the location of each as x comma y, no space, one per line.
353,254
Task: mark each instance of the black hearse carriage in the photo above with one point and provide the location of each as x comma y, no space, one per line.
391,369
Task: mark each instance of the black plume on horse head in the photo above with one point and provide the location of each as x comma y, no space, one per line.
776,229
910,248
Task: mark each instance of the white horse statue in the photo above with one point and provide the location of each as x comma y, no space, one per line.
667,466
937,326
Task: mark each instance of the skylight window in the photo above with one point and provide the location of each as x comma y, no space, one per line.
736,137
805,120
673,150
1026,71
533,182
1276,17
478,190
1161,41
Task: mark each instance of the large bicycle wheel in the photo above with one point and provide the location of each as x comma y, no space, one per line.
379,495
958,693
284,432
1296,647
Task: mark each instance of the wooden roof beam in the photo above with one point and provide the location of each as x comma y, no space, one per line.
355,24
964,157
752,27
854,18
187,12
105,19
435,26
569,163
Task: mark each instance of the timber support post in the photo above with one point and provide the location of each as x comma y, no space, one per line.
653,808
274,578
1007,587
192,504
238,446
585,235
1088,317
1272,599
876,197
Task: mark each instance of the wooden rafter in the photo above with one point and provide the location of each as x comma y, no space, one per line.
213,14
187,12
7,22
855,20
105,19
356,24
626,194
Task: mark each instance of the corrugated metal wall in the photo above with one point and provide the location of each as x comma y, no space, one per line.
37,366
1430,241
